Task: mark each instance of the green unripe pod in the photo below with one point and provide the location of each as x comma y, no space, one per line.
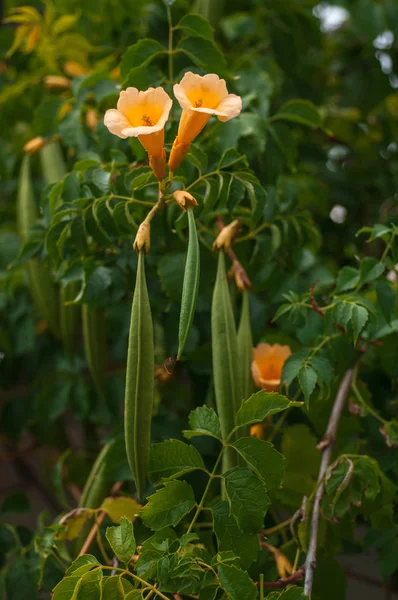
139,381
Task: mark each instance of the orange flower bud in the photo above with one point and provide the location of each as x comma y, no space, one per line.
267,365
56,82
75,69
184,199
91,119
226,235
257,431
34,145
143,238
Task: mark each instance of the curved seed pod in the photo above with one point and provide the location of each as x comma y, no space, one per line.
245,347
68,315
96,486
225,358
41,286
52,162
94,337
139,381
190,286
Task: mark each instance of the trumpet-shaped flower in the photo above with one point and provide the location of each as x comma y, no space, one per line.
200,98
267,365
142,115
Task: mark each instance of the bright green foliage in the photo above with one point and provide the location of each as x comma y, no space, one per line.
308,169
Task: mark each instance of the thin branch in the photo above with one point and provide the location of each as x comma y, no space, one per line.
284,581
326,446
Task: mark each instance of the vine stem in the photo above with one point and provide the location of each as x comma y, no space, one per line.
142,581
326,446
207,488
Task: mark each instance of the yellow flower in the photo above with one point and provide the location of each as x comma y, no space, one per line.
143,115
267,365
200,98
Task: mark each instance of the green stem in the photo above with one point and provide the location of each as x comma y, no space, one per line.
278,527
132,200
387,248
207,488
170,53
361,400
142,581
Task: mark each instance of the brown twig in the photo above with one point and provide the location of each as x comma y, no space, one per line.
326,446
284,581
314,303
241,277
98,522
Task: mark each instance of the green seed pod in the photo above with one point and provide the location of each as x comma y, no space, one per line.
245,348
52,162
94,337
225,358
190,286
97,486
139,381
69,315
41,286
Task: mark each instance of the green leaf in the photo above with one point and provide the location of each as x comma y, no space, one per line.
293,365
359,317
307,377
265,461
299,111
203,53
347,279
172,459
168,505
261,405
116,587
121,539
73,523
236,583
121,506
197,25
82,565
247,497
390,433
230,537
65,589
370,269
101,179
386,298
90,586
139,55
153,550
203,421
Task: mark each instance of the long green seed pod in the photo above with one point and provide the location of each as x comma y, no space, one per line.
225,358
190,286
245,348
97,486
52,162
139,381
94,337
69,316
41,286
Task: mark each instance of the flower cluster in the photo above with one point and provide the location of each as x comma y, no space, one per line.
144,115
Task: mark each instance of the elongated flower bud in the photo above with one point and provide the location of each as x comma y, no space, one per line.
226,235
143,238
184,199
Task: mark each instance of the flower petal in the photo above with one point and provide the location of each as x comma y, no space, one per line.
229,108
116,122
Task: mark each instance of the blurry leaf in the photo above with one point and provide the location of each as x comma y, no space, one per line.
203,53
359,317
247,497
370,269
101,179
193,23
168,505
307,377
16,502
64,23
172,459
299,111
236,583
386,298
347,279
73,523
120,506
390,433
139,55
265,461
122,541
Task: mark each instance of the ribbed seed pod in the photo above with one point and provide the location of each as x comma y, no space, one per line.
41,286
52,162
190,286
139,381
94,337
68,316
245,347
96,486
225,358
54,169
